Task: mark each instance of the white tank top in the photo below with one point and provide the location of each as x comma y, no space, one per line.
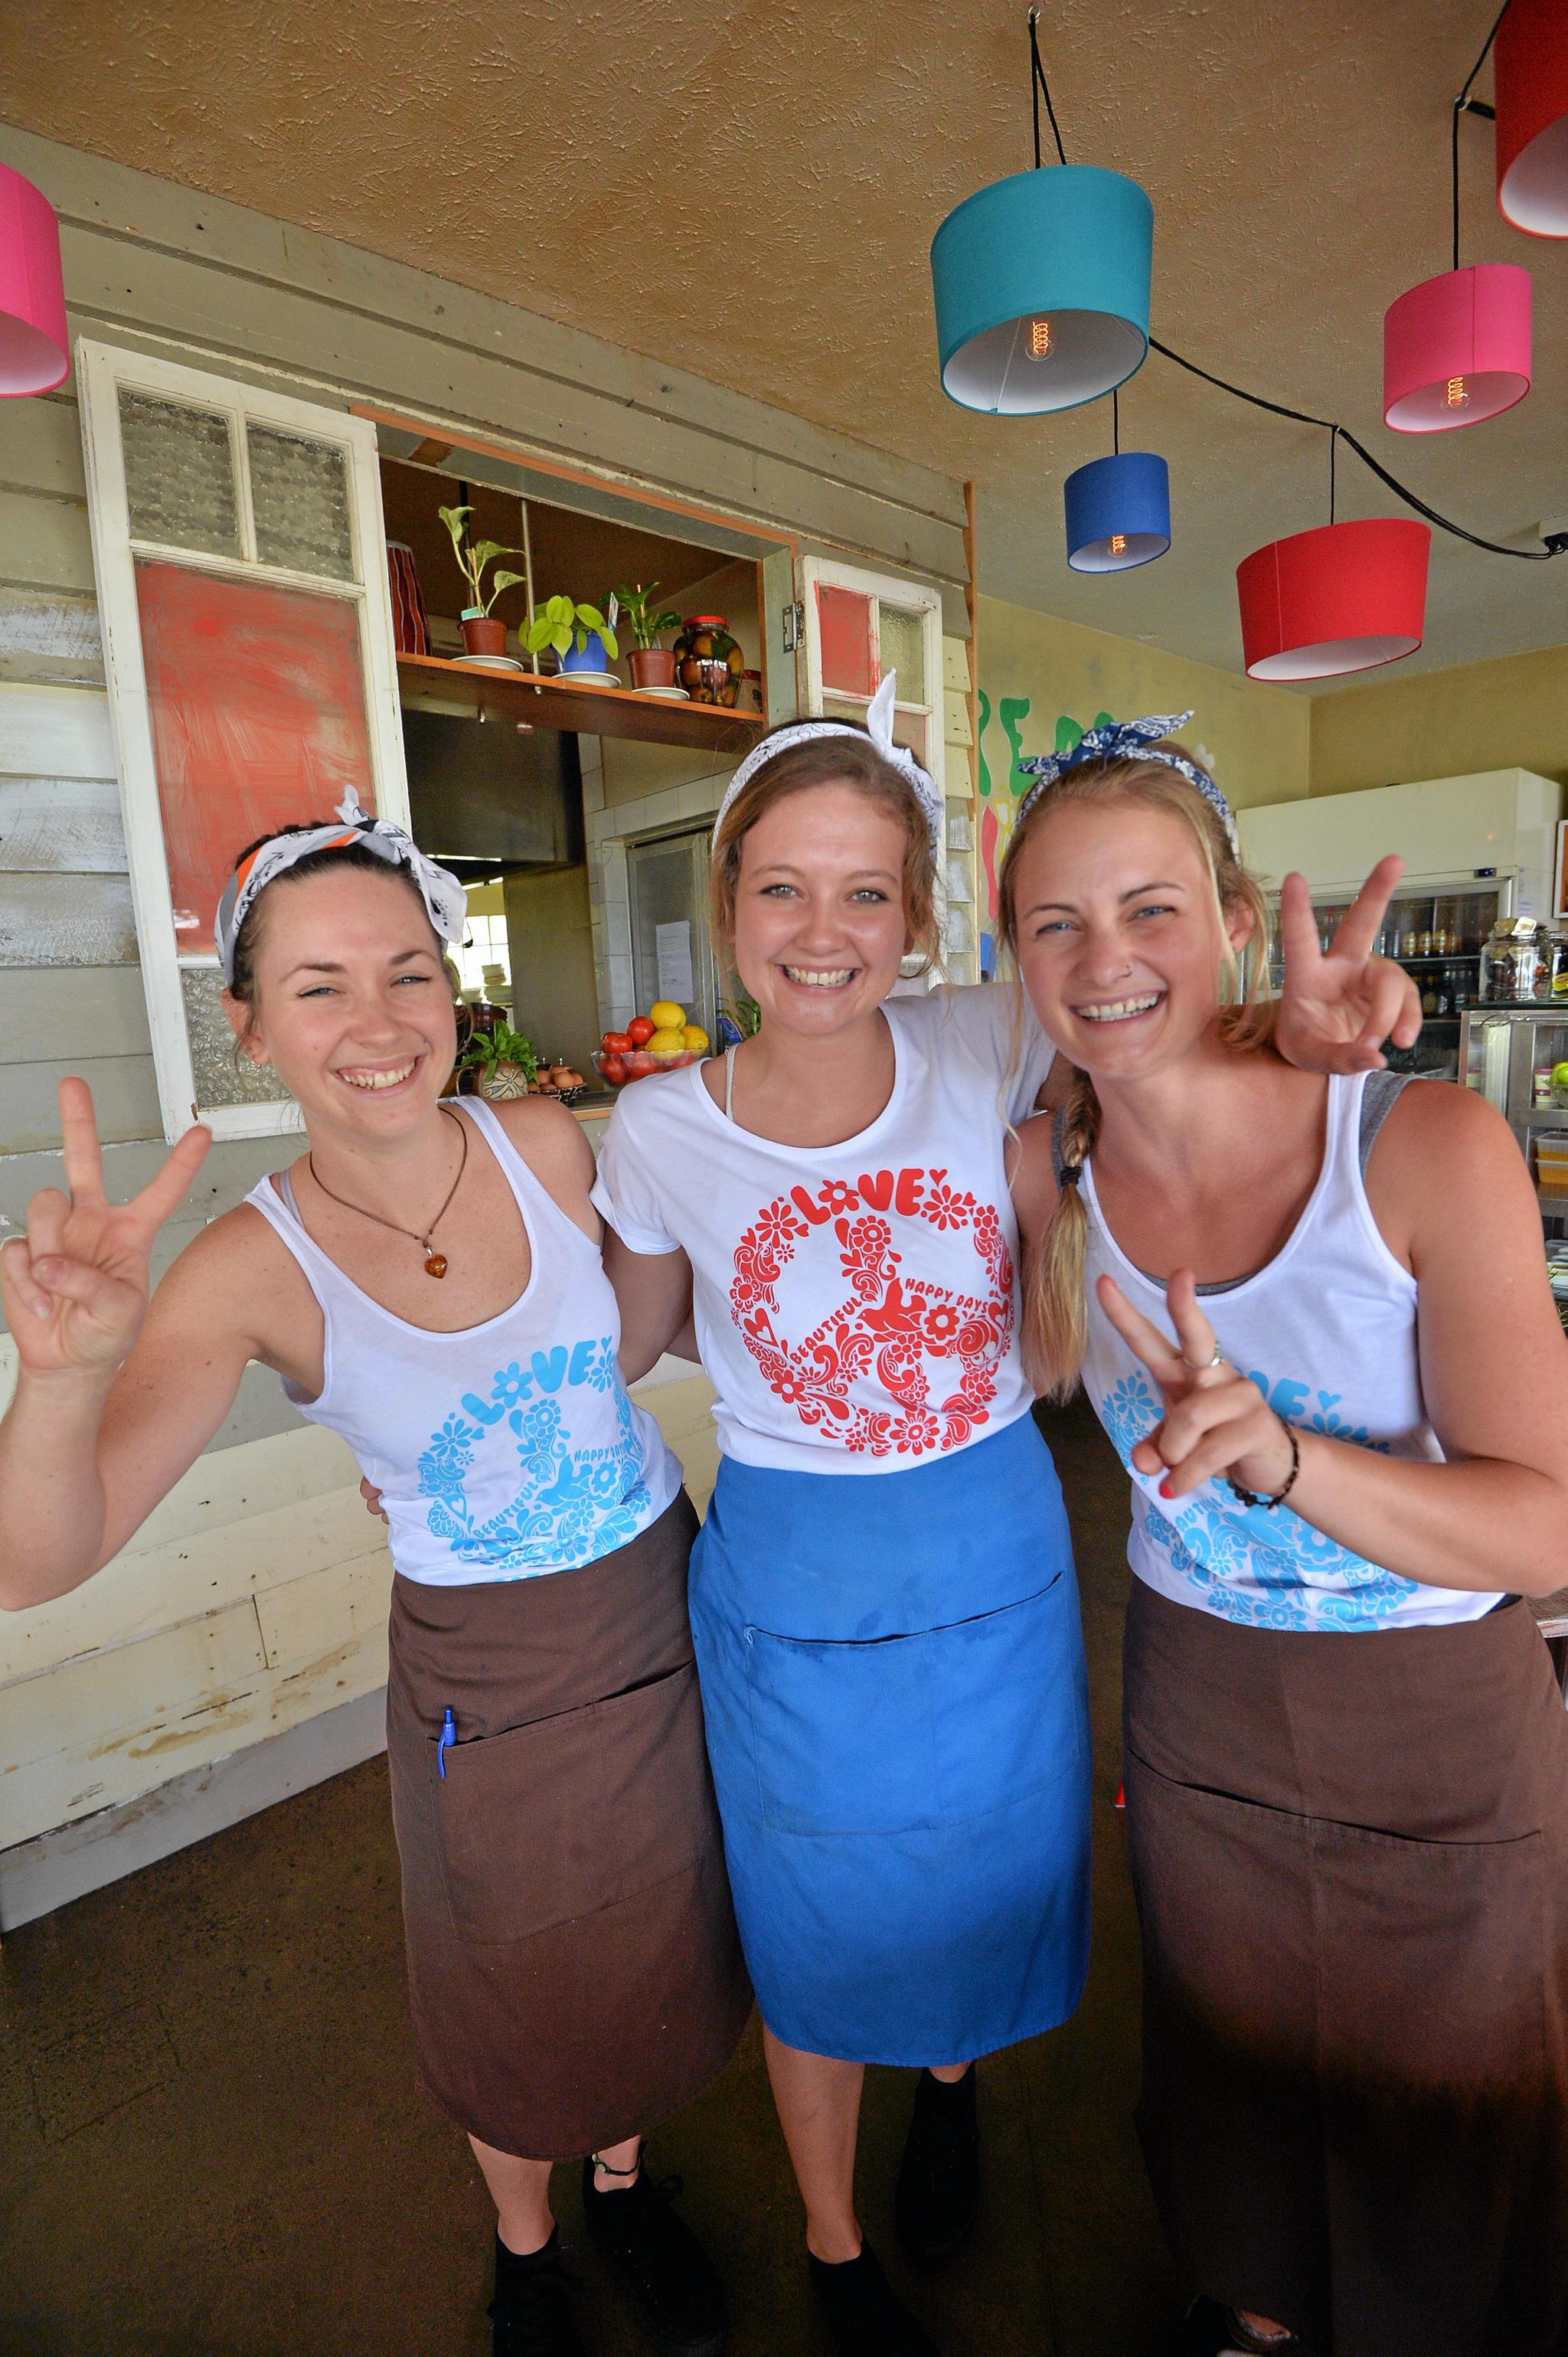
1328,1332
855,1305
507,1450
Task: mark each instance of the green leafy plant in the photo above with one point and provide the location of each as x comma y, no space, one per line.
472,557
644,623
561,623
502,1046
744,1013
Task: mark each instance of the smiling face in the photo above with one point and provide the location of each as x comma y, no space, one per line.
1118,934
351,1005
820,925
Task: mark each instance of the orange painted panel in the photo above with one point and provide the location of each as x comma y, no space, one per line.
257,702
843,617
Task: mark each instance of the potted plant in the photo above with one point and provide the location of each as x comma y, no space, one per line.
650,664
502,1062
583,638
484,633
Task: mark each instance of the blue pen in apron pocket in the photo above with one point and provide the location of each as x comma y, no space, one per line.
448,1735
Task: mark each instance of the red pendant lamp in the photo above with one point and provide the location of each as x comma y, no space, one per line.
34,351
1456,349
1342,599
1532,68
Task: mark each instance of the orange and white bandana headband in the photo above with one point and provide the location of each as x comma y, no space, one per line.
445,901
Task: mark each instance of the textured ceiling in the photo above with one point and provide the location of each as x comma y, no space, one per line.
750,193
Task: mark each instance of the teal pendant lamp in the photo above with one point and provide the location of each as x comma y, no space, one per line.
1042,283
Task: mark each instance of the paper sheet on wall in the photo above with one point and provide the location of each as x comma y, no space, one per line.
673,944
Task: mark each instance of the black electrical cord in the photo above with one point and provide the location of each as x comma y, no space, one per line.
1555,545
1462,106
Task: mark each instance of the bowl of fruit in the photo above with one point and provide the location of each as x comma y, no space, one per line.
659,1041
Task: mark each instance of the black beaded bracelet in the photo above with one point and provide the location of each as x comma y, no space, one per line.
1251,1497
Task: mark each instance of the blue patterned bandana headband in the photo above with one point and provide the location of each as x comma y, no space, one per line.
1128,740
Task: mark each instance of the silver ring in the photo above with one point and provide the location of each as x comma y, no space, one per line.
1218,1360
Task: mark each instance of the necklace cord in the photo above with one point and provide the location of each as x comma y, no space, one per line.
423,1241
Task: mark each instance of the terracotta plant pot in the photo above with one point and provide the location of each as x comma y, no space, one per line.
484,634
652,666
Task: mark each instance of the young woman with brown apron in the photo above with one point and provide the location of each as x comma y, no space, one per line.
427,1282
1347,1757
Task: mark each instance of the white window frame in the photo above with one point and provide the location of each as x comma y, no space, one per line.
913,597
102,369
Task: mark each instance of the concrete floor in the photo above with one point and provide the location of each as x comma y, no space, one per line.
210,2145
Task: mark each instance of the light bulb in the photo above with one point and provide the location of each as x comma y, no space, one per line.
1039,340
1457,396
1118,543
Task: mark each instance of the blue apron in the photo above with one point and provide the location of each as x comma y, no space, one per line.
897,1707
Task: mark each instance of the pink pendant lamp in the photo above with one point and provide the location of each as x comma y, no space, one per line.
1456,349
1531,66
34,350
1342,599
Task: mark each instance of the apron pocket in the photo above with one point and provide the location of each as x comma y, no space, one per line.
568,1816
898,1735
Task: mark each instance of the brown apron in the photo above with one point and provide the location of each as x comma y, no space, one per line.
1351,1859
573,1964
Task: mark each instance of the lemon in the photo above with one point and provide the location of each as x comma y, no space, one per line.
667,1016
668,1042
696,1039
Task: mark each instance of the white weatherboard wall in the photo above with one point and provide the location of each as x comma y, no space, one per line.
238,1649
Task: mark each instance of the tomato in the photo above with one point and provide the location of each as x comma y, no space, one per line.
638,1065
615,1043
613,1070
640,1031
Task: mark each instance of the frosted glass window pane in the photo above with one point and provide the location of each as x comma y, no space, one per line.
904,651
221,1077
179,474
300,491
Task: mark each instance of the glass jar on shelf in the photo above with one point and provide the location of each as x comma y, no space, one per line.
1510,962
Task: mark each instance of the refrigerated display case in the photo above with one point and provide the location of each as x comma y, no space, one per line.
1438,934
1508,1054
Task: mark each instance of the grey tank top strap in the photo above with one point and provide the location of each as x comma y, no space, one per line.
1378,1099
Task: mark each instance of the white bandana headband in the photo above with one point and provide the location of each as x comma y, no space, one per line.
1128,740
445,901
879,722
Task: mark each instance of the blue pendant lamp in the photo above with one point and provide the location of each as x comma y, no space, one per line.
1042,283
1118,510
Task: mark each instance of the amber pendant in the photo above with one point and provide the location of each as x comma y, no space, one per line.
436,1266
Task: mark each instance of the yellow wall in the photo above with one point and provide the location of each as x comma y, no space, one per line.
1511,713
1257,737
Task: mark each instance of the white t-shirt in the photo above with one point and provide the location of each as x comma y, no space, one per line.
856,1305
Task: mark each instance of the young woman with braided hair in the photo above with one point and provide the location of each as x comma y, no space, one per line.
1345,1755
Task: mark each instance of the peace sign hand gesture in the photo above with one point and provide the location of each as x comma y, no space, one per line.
1216,1423
1338,1006
75,1290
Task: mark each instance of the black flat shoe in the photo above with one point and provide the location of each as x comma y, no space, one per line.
530,2312
863,2314
938,2177
1212,2329
664,2268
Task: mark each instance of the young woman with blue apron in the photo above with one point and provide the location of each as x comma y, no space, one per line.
882,1596
427,1282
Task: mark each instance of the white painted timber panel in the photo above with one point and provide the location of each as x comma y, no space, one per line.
55,732
955,719
67,920
44,543
124,1096
50,635
62,827
79,1012
305,1622
955,665
40,446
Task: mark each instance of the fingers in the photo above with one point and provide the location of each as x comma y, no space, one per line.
372,1498
78,1134
1363,921
1210,1431
167,1191
47,1216
1298,927
18,1291
1193,1331
1143,1339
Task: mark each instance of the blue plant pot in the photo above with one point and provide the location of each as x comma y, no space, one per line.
591,658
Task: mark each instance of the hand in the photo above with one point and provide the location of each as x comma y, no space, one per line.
372,1498
1338,1008
75,1290
1216,1422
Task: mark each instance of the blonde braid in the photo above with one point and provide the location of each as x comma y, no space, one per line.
1056,1328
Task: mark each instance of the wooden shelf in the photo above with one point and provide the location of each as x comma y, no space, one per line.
547,701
